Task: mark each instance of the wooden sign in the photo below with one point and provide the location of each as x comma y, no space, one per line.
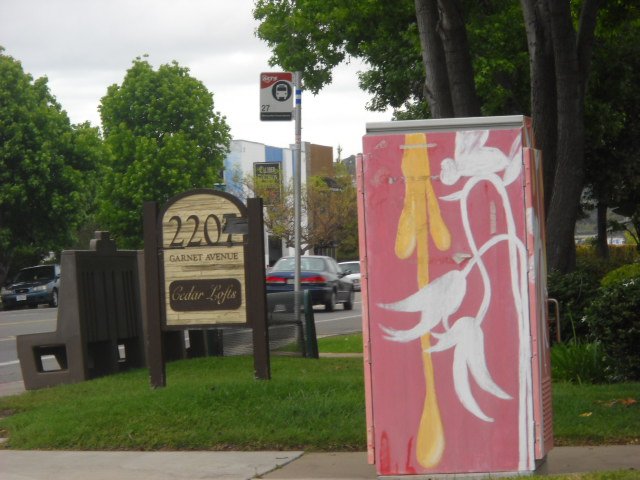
203,259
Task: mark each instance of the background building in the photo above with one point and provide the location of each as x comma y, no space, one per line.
248,158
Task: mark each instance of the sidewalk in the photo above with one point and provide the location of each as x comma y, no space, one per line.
67,465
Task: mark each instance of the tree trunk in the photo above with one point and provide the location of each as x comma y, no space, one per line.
453,33
543,90
569,177
3,273
549,22
437,91
602,247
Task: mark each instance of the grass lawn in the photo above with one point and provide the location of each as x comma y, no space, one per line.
596,414
313,405
215,404
209,403
615,475
341,344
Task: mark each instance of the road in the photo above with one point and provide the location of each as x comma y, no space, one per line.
43,319
20,322
339,321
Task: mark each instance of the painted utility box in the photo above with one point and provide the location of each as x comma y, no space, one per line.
457,366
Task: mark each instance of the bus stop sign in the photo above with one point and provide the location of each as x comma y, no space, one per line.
276,96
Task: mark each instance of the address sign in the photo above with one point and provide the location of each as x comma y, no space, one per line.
203,259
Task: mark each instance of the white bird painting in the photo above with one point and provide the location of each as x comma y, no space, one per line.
435,302
474,158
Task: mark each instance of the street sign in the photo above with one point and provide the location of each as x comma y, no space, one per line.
276,96
268,179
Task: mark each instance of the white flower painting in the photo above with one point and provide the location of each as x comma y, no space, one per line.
475,165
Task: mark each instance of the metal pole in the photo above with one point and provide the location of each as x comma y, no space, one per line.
297,191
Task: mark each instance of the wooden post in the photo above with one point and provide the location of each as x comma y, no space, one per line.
256,291
152,319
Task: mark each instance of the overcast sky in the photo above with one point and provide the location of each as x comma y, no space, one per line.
83,46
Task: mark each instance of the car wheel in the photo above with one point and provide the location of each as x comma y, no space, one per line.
348,305
54,298
330,305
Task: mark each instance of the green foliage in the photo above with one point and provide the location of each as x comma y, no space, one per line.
47,168
317,35
574,292
328,202
348,247
500,57
614,320
622,274
599,302
577,362
619,255
623,254
611,109
163,137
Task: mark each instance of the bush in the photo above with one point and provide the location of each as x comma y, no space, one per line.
614,320
621,254
574,291
577,362
587,257
626,272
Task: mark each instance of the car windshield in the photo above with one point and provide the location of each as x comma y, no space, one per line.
46,272
306,265
354,267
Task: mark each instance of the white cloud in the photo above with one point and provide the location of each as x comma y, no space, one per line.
83,46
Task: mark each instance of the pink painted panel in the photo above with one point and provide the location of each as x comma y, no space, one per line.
541,358
443,217
362,238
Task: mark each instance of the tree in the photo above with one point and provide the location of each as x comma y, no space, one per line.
612,109
559,61
47,169
318,37
328,207
164,137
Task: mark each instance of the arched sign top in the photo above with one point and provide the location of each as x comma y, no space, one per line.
207,191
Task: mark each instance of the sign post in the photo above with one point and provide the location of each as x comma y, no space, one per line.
298,190
276,103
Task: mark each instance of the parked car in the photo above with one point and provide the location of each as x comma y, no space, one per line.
322,276
352,269
32,286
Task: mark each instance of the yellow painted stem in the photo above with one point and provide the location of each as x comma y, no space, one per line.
420,217
430,442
